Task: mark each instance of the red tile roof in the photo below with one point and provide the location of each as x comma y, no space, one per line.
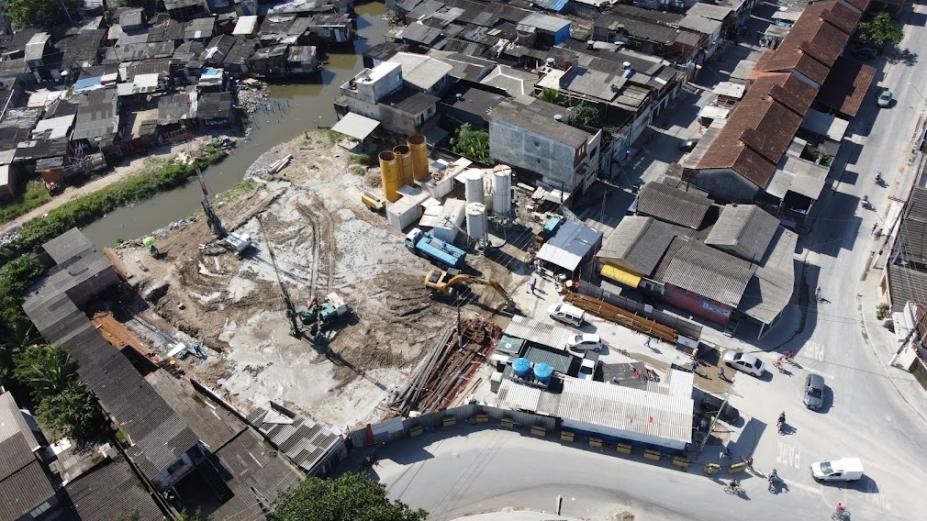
815,41
846,86
759,130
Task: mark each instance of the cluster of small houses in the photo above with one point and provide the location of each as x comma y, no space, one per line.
117,82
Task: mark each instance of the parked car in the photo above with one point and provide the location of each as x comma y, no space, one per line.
885,98
814,392
587,369
584,342
712,404
844,469
568,314
747,363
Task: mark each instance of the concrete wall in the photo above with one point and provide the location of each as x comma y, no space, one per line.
522,148
697,304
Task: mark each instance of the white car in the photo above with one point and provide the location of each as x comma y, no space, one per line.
885,99
584,342
845,469
744,362
587,369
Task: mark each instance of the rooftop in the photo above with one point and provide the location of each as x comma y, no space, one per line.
691,265
675,206
420,71
570,244
637,243
538,117
745,229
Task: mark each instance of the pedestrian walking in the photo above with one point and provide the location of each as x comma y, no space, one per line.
647,343
749,462
817,294
695,366
533,285
722,375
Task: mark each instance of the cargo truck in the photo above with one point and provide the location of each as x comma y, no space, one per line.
434,249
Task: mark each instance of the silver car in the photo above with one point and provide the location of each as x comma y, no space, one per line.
814,392
747,363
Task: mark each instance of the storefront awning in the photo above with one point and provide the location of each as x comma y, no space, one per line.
619,275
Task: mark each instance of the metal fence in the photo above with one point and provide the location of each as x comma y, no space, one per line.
685,327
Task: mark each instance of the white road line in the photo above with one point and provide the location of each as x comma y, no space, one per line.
802,486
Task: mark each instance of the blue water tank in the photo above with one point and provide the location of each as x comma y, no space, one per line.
522,367
543,372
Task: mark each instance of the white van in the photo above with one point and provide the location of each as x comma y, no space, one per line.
567,314
845,469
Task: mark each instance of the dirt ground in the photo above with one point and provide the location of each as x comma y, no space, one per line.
324,240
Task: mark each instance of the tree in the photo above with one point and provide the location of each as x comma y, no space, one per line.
586,114
349,496
73,412
186,515
47,371
45,13
879,31
472,144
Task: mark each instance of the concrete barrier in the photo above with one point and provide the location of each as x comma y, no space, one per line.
507,423
537,430
680,462
567,436
415,430
653,455
737,467
595,443
481,418
711,468
448,421
624,448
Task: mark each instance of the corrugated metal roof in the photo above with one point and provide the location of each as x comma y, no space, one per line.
304,441
23,483
516,396
572,242
626,409
12,422
538,332
109,491
560,362
510,345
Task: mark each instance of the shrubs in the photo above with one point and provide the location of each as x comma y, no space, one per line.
33,196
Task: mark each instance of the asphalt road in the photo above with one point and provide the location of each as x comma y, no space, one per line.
864,416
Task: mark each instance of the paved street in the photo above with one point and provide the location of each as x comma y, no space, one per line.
864,416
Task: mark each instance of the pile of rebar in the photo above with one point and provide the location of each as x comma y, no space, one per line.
621,316
450,366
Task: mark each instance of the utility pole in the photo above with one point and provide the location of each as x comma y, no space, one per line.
459,324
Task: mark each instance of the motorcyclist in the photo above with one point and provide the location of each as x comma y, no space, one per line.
782,417
725,452
865,200
773,476
734,485
879,177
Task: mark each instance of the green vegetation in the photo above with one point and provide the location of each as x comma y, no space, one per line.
879,31
42,13
361,159
586,114
243,187
472,144
358,170
33,196
62,404
20,269
349,496
190,516
553,96
882,311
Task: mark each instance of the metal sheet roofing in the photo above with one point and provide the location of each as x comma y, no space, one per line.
421,71
667,417
109,491
560,362
673,205
551,5
637,243
538,332
304,441
745,229
770,290
516,396
705,271
356,126
12,422
571,243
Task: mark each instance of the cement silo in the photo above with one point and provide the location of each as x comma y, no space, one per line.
502,191
473,185
391,175
419,147
477,228
404,157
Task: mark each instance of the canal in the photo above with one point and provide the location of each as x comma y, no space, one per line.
293,109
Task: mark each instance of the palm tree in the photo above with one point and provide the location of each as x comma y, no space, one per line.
45,370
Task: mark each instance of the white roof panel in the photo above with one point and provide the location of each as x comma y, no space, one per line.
538,332
356,126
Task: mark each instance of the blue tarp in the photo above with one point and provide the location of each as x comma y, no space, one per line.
88,83
551,5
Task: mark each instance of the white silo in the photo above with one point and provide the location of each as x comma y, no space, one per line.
473,185
477,228
502,191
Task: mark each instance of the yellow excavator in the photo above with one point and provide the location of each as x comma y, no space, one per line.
444,285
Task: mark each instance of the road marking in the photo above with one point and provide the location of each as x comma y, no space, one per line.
814,351
788,455
802,486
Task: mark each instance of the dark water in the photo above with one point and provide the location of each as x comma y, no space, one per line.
295,108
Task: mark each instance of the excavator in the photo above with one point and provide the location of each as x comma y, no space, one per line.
444,285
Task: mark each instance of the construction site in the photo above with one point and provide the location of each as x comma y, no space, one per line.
308,246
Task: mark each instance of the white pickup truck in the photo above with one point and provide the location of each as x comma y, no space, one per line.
844,469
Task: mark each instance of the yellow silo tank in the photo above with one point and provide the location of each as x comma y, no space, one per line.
391,174
404,157
419,147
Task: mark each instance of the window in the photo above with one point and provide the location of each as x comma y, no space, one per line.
41,509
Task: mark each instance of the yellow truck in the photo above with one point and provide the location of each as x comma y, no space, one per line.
373,202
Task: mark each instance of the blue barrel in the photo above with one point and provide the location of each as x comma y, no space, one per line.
522,367
543,372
